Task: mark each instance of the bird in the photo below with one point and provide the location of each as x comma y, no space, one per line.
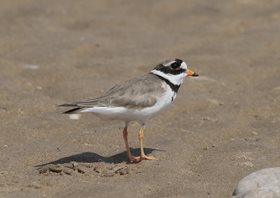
138,99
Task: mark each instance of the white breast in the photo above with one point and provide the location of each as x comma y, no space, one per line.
139,115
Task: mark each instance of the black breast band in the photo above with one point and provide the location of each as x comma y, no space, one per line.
174,88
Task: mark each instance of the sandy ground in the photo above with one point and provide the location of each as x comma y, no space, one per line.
221,127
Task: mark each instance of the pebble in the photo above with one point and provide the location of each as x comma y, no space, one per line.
103,170
3,109
74,116
56,168
214,102
81,170
39,88
97,169
34,185
43,170
123,171
107,174
74,164
68,171
30,66
262,183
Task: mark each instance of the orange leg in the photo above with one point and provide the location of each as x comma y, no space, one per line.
130,157
143,156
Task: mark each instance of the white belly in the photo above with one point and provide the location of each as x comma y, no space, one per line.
141,115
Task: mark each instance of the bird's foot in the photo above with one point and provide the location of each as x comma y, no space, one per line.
145,157
133,159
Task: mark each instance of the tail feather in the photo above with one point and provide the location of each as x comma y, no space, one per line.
74,110
68,105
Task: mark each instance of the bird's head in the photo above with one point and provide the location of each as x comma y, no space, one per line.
174,71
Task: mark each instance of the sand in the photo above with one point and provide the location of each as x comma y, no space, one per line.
221,127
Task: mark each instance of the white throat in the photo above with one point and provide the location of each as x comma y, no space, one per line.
174,79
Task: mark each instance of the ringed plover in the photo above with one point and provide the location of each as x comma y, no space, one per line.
138,99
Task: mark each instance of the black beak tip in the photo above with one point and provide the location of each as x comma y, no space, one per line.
195,74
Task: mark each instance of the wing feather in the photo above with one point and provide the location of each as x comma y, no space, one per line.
136,93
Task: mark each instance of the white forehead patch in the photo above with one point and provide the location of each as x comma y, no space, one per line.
184,65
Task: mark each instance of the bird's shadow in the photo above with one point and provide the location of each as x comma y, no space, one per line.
91,157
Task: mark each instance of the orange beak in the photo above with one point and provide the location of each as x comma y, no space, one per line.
191,73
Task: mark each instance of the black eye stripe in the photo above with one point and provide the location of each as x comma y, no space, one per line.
175,65
170,70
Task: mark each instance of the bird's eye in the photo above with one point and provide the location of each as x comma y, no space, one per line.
175,65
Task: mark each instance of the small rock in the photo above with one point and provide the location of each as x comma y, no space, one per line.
43,170
277,88
69,165
97,169
107,174
214,102
74,164
34,185
30,66
247,164
81,170
3,109
74,116
56,168
123,171
87,144
87,165
257,117
68,171
39,88
254,133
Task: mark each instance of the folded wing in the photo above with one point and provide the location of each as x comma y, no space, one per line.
137,93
